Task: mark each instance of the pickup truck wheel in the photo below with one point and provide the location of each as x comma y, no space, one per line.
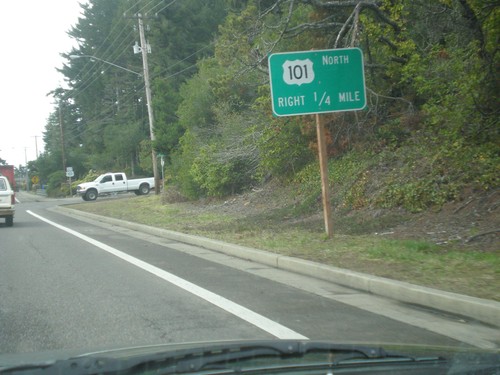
91,195
144,189
9,221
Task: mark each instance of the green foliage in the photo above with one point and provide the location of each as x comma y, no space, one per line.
417,175
226,164
182,161
430,128
430,172
167,129
57,185
120,142
218,153
145,156
348,180
217,178
183,38
284,147
416,196
195,110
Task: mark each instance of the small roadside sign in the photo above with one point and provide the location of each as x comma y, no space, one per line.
69,172
312,82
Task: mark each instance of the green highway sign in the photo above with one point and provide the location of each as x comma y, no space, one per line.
310,82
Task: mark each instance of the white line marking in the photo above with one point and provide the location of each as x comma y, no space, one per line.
239,311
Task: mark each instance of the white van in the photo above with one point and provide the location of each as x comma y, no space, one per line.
7,201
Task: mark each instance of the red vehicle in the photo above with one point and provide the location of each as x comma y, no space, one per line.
8,171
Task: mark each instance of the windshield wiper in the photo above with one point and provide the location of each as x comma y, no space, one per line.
231,357
293,354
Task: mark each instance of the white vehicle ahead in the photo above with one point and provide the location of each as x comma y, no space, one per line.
7,201
109,183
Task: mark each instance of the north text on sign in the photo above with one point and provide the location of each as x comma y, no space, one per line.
334,60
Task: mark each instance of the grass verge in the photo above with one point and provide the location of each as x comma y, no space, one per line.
355,246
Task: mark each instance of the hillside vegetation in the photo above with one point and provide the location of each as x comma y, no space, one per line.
431,73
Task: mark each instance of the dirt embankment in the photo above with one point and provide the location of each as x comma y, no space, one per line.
473,223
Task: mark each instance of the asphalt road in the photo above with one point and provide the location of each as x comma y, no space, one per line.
67,283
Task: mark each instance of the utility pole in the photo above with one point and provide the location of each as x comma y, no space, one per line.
144,50
27,172
62,138
36,145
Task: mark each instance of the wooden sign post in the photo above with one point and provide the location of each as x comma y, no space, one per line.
323,166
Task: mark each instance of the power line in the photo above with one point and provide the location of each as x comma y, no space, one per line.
166,6
145,6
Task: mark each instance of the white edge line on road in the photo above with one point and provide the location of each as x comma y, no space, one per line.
239,311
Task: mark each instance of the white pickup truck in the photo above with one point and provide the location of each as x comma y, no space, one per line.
109,183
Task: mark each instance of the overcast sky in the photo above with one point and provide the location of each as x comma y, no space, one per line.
34,34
